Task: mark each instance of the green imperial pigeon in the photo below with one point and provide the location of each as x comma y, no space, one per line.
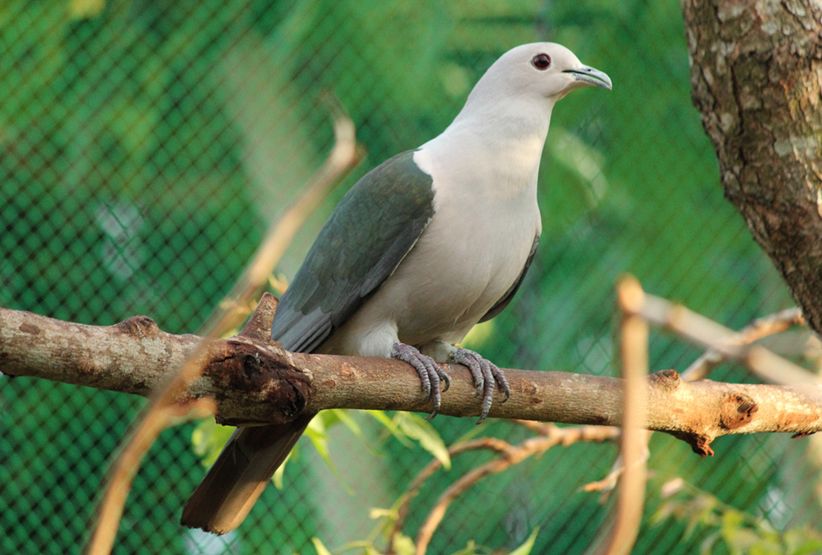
422,248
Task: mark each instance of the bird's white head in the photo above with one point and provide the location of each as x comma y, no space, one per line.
537,71
508,112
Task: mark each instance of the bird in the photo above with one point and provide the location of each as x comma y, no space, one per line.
422,248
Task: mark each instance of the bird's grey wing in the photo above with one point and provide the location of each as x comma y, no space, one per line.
372,229
506,298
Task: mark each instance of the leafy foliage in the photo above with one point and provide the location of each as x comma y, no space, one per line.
720,525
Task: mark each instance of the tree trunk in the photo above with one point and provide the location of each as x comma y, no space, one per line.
756,72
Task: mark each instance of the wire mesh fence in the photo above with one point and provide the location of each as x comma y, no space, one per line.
146,145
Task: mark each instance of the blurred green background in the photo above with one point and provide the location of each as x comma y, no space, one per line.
145,145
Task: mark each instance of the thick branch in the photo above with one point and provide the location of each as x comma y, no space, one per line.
255,381
756,72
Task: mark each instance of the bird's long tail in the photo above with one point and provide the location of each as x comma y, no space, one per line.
248,461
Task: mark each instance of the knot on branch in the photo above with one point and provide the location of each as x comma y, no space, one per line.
700,443
139,326
668,380
737,410
244,370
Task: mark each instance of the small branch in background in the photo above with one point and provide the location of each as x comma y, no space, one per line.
711,335
486,443
508,455
753,332
161,411
618,537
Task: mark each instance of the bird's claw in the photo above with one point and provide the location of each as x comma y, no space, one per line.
486,376
430,373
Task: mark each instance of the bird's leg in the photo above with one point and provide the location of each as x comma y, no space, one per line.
430,373
486,376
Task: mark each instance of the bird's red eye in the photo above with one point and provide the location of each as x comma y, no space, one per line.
541,61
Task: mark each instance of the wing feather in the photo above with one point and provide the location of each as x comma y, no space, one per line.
372,229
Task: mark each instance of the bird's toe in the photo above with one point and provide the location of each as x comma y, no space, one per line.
430,373
486,376
469,360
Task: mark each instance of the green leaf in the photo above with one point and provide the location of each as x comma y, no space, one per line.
808,547
317,434
365,548
208,440
418,428
86,9
665,511
377,513
732,521
707,545
525,548
319,547
403,545
738,538
583,161
345,419
280,472
390,425
479,335
469,549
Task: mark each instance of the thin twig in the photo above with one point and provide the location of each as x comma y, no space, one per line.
158,415
541,428
507,458
709,334
756,330
487,443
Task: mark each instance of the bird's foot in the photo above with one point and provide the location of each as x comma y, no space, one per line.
486,375
430,373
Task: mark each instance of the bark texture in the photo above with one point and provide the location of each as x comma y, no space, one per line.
756,73
254,381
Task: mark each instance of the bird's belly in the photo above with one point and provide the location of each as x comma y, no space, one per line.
461,266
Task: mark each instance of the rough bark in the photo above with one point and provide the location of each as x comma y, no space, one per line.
756,73
255,381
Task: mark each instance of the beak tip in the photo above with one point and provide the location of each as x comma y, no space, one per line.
592,77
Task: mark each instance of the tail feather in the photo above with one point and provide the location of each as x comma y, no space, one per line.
248,461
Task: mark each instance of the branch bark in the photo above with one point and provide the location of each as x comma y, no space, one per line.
254,381
756,73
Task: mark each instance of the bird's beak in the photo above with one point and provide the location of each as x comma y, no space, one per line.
591,76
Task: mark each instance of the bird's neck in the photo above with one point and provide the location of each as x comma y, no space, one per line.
503,141
507,124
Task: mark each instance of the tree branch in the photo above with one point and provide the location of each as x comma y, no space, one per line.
253,380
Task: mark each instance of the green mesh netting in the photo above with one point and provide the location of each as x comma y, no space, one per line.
145,146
